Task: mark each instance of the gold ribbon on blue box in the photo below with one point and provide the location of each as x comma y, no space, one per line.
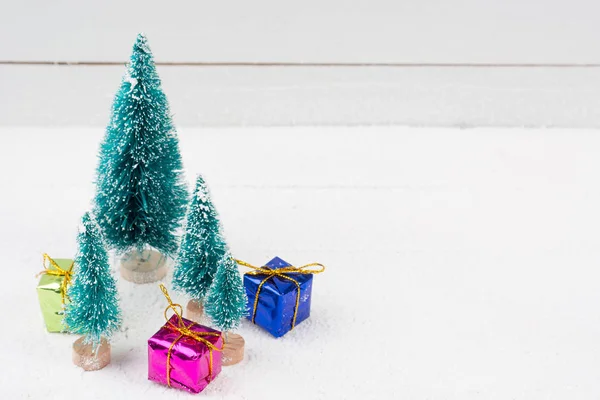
279,294
52,291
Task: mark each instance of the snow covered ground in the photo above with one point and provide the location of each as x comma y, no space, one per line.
462,264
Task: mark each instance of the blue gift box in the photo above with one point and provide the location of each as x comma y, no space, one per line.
277,299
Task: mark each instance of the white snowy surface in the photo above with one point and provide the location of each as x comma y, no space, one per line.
462,264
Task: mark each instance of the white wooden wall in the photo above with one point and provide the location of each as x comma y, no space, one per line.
454,62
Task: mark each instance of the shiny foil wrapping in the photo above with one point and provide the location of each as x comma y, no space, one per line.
277,299
189,357
49,294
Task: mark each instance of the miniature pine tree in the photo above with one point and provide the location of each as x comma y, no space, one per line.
141,195
94,309
202,246
226,301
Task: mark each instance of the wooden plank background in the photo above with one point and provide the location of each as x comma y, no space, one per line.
428,62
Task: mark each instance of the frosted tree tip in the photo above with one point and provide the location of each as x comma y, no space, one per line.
141,43
201,191
86,220
88,223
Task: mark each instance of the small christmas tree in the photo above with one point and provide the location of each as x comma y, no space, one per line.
226,302
202,247
94,310
141,194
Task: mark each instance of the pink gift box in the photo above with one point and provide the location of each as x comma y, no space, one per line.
189,359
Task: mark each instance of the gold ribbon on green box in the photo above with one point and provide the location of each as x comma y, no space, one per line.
52,291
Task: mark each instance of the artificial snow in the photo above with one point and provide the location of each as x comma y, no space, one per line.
132,81
461,264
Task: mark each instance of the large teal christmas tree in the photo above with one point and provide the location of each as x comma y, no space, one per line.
202,247
226,302
94,309
141,194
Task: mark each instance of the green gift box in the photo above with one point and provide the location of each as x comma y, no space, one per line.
52,291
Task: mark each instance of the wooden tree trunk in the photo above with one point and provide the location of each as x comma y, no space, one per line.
84,357
233,351
146,267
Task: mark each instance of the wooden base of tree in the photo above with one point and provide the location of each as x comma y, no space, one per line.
84,357
145,267
194,311
233,351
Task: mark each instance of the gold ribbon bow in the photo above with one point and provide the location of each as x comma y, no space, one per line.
58,271
281,273
186,331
